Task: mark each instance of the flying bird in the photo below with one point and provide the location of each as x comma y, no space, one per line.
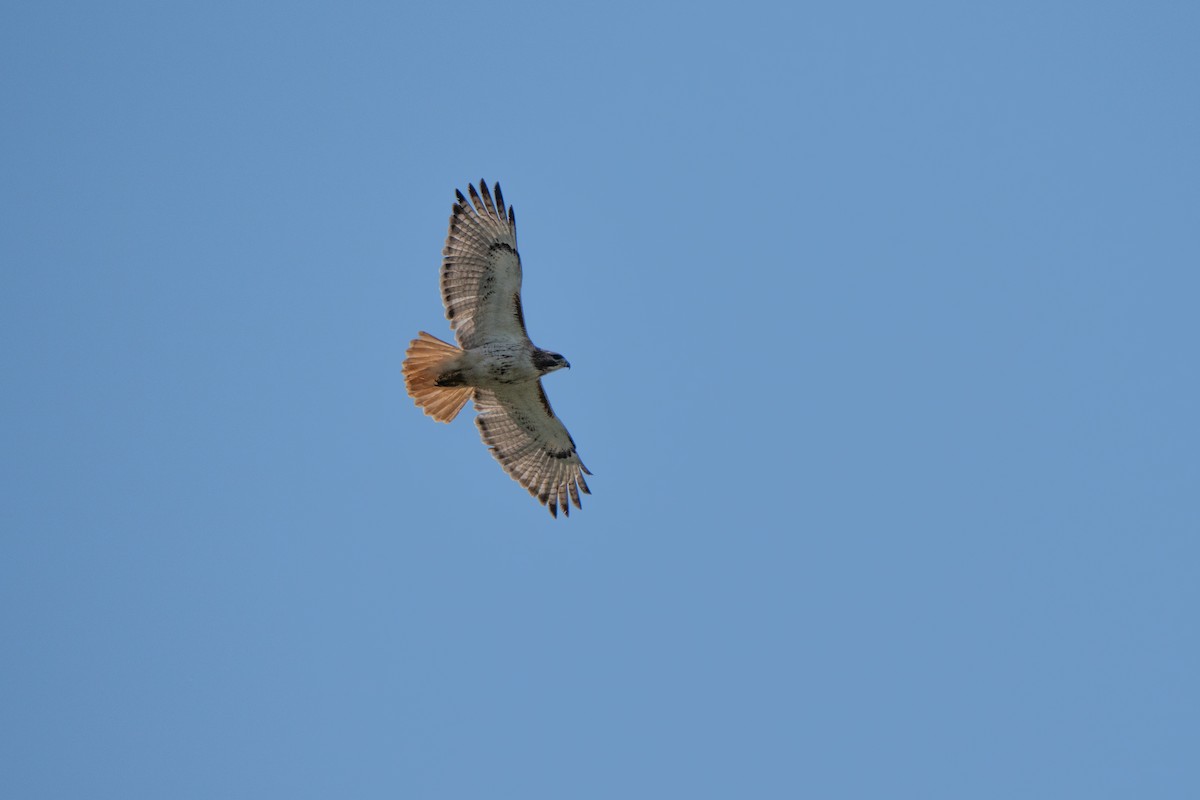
495,364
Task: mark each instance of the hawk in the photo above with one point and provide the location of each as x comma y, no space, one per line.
495,364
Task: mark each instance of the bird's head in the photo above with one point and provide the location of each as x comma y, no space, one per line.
546,362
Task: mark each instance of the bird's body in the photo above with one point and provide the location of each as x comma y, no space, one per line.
496,365
493,365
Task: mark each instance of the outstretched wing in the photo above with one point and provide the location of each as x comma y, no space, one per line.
481,270
531,444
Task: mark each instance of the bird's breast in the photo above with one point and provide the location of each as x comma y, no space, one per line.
496,365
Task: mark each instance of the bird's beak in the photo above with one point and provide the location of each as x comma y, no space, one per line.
566,363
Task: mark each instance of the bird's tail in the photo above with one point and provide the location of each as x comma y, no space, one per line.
427,357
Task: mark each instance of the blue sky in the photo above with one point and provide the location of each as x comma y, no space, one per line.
883,325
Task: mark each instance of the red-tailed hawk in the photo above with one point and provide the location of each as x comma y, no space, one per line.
496,365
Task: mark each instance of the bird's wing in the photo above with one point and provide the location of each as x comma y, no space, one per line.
532,445
481,270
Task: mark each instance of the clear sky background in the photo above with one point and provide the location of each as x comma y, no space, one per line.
883,325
